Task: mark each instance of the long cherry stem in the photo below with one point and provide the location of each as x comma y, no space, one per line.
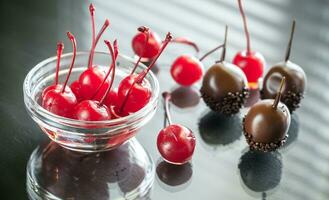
290,40
142,75
166,98
278,96
183,40
144,30
60,47
92,15
211,51
224,47
115,47
113,65
100,33
246,31
74,46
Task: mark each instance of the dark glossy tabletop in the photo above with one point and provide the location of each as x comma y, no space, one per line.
221,166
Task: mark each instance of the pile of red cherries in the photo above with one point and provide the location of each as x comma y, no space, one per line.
91,97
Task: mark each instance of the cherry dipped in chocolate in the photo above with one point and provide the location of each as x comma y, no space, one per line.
267,122
293,92
93,110
61,100
224,87
133,93
251,62
176,143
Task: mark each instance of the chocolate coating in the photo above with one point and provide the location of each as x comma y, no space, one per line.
295,84
224,88
265,127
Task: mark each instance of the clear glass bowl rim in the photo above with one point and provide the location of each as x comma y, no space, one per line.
59,119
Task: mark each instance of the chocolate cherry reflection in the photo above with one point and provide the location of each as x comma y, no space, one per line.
175,142
266,123
133,94
251,62
293,93
224,87
60,99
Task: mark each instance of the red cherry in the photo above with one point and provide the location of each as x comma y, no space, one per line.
90,110
252,63
175,142
186,70
132,92
93,110
60,103
153,44
90,80
60,47
61,99
139,94
75,87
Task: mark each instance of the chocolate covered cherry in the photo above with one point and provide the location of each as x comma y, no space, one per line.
293,92
224,87
266,124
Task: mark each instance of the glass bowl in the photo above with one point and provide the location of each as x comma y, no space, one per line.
55,173
85,136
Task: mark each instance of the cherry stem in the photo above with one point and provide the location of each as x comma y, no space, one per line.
100,33
166,98
278,96
144,30
211,51
60,47
224,46
246,31
74,46
115,46
113,65
92,14
183,40
290,40
142,75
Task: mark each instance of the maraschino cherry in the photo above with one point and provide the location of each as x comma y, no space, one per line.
153,46
176,143
251,62
187,69
93,110
60,47
133,94
61,100
91,79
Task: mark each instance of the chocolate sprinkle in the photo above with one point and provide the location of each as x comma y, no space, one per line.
230,103
265,147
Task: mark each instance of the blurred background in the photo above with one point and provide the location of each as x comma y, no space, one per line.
29,33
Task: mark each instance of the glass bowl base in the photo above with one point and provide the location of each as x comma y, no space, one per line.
54,173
